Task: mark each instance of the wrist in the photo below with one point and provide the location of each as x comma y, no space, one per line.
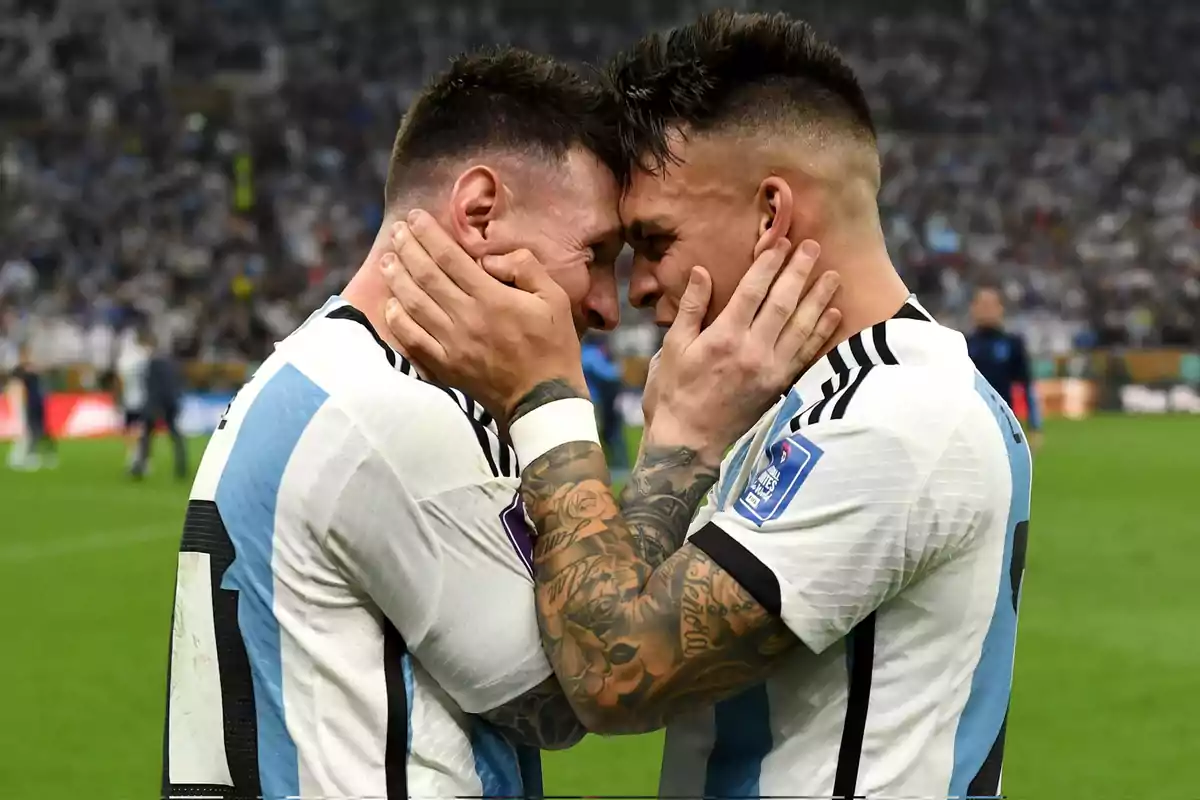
668,431
548,391
550,425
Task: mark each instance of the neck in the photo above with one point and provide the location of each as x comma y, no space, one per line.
368,291
871,291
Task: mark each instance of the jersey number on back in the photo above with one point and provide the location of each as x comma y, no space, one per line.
212,737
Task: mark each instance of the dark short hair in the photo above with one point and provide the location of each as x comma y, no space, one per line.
503,98
731,68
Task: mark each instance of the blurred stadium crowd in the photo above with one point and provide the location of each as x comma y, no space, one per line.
215,167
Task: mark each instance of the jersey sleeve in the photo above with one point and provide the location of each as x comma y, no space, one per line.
451,570
837,522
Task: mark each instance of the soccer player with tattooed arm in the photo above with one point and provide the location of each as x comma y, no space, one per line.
829,607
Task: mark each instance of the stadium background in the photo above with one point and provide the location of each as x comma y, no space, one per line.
212,169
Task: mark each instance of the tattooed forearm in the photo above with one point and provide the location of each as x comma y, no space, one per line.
637,628
545,392
661,497
542,717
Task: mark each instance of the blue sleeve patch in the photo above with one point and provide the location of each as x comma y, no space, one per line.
767,495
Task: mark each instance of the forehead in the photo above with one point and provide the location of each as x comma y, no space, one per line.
706,172
586,194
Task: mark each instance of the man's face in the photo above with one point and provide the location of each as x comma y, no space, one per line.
987,310
694,214
570,224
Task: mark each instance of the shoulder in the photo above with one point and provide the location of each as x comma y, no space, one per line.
910,414
433,438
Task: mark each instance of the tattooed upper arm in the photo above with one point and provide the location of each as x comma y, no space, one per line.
637,625
542,717
632,657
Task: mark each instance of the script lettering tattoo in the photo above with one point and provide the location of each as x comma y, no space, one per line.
542,718
637,627
545,392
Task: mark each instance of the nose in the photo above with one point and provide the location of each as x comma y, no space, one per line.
644,290
603,304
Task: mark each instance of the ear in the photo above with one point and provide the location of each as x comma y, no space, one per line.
476,201
774,207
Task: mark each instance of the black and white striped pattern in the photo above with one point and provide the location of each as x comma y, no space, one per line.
852,361
500,457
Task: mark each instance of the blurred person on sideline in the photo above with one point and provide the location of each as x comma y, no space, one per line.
603,376
164,398
133,373
1001,357
33,447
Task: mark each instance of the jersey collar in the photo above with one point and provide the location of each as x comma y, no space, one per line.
338,308
911,336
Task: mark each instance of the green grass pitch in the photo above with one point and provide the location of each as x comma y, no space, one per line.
1107,697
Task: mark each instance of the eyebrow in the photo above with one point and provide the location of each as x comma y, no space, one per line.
607,234
645,228
608,237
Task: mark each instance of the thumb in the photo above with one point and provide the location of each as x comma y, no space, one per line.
692,306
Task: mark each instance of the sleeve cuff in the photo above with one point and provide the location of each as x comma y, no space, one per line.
733,557
551,425
761,583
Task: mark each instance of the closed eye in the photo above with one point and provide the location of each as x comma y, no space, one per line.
654,247
605,251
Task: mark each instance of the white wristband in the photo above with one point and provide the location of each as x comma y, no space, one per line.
548,426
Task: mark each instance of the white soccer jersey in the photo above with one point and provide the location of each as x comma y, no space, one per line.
354,584
132,368
880,509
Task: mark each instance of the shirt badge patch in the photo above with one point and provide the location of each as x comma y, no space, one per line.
768,493
518,530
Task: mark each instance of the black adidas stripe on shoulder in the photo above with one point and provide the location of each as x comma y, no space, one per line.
349,312
836,402
500,459
829,390
843,401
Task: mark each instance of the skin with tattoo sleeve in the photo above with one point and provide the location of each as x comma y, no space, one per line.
541,717
637,627
637,624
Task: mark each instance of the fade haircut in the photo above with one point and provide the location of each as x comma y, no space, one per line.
735,71
502,99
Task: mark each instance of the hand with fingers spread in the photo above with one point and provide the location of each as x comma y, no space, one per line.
711,385
461,324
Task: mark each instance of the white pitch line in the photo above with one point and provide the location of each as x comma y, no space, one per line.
25,552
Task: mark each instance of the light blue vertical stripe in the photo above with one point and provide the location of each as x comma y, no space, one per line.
730,476
246,497
496,761
743,726
406,670
743,723
788,409
991,685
